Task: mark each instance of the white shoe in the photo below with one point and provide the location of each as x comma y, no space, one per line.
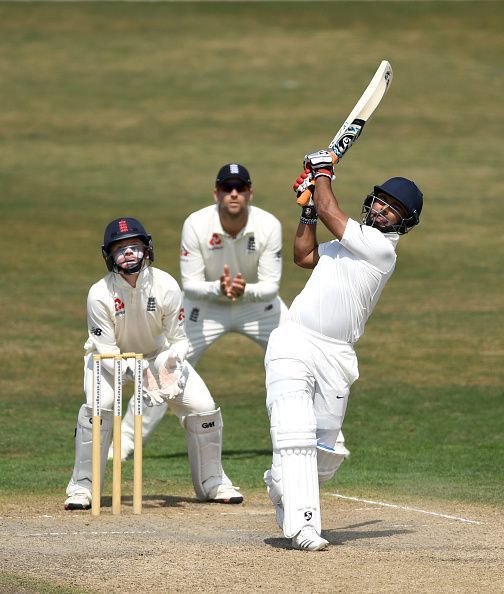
307,539
225,494
79,500
127,450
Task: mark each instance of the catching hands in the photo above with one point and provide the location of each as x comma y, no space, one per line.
172,380
232,288
151,394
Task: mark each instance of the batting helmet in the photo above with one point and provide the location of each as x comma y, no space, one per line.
124,228
407,193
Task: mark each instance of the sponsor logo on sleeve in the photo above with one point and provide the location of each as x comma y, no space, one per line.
96,331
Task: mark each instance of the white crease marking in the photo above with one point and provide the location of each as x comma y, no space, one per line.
406,508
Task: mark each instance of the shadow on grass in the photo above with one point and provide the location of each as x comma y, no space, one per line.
235,454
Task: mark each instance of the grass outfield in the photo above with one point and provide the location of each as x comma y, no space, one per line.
111,109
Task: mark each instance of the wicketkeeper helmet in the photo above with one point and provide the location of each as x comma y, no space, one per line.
125,228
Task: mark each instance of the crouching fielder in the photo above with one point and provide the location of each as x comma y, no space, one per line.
138,308
310,360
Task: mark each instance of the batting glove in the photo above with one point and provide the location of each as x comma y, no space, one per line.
320,163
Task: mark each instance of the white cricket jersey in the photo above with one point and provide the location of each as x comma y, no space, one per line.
256,252
146,319
346,283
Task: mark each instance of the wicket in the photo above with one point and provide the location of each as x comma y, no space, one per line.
96,436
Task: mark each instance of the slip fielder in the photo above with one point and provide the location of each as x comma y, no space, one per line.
231,264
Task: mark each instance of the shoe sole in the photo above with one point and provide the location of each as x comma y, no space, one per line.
76,506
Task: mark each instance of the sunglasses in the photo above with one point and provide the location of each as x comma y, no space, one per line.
229,186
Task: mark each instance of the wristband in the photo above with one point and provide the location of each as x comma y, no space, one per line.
309,215
323,173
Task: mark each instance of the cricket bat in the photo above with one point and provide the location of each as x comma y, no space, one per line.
353,125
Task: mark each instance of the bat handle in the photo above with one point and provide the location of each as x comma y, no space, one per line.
303,198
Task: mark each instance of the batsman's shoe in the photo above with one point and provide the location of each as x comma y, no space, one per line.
225,494
307,539
78,501
127,450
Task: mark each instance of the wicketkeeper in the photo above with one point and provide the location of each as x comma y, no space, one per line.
138,308
310,359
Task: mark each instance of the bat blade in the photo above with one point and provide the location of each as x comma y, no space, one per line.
353,125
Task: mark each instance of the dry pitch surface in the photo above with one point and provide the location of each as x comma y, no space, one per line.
179,545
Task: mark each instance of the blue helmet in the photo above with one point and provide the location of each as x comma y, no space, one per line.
404,191
125,228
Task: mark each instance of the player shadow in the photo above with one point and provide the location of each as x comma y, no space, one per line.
150,501
235,454
339,536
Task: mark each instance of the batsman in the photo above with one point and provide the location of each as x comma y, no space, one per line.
137,308
310,360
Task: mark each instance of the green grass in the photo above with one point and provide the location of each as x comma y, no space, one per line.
12,584
110,109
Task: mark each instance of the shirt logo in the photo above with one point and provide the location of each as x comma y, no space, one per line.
183,252
251,245
96,331
215,242
194,315
215,239
151,304
278,255
181,314
119,305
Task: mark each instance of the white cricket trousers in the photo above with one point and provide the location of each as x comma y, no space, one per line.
311,362
207,321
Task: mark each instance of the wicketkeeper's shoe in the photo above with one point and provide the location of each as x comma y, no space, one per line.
127,450
78,500
307,539
225,494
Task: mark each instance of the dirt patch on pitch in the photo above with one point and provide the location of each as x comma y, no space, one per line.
179,545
